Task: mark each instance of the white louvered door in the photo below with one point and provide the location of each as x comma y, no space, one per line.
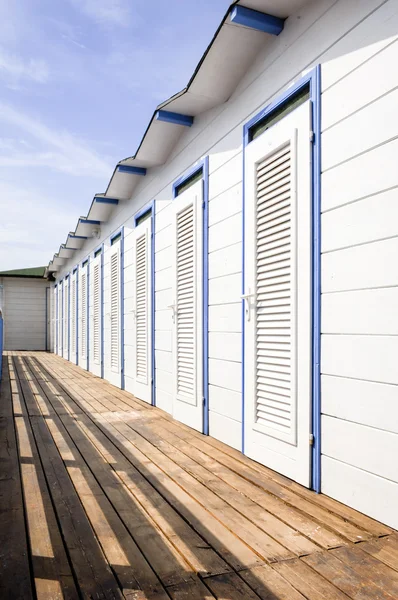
142,311
60,319
187,308
73,318
277,350
112,332
66,319
83,316
96,315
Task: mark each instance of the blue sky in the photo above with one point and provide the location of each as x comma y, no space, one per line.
79,82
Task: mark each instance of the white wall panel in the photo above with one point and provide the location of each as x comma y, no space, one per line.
24,313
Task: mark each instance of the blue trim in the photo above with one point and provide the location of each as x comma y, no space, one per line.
150,209
122,379
192,171
77,237
254,19
62,318
98,251
1,346
102,200
46,317
68,317
89,222
115,235
56,320
87,261
131,170
316,280
313,79
76,272
102,310
174,118
203,166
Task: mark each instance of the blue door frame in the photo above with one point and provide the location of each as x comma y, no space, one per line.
313,80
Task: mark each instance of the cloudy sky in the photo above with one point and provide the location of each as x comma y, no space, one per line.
79,81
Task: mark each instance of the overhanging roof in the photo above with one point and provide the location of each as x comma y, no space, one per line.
228,56
35,272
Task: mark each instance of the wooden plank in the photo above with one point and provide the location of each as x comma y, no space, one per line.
279,509
385,550
368,566
190,591
244,497
345,577
51,569
269,584
228,586
307,581
15,576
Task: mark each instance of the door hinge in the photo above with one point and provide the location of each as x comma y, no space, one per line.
203,401
312,439
312,136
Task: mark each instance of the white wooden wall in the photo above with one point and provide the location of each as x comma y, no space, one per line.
24,313
354,40
359,267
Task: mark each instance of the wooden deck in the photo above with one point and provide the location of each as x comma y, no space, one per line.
103,496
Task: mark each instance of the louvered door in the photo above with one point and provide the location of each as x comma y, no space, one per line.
277,299
55,316
73,318
66,318
96,316
142,310
60,314
83,316
187,307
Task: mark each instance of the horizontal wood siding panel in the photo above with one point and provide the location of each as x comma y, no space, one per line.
226,430
359,267
225,402
361,312
368,493
226,318
360,446
367,220
226,346
372,358
365,402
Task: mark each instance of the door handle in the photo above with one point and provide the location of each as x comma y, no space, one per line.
173,308
246,298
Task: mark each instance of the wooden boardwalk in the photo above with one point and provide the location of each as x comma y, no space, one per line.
103,496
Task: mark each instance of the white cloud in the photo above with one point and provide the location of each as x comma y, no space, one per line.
15,69
30,230
105,12
59,149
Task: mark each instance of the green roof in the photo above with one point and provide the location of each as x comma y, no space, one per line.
32,272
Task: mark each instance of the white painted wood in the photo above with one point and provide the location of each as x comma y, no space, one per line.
377,120
372,358
66,318
225,261
140,368
112,316
367,220
363,176
225,290
368,493
225,374
366,448
229,174
60,318
225,233
360,267
365,402
226,205
24,310
227,318
164,340
83,315
368,38
226,346
225,402
342,99
277,351
187,306
225,429
95,312
73,317
371,312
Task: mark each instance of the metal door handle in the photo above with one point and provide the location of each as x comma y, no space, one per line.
247,297
173,308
